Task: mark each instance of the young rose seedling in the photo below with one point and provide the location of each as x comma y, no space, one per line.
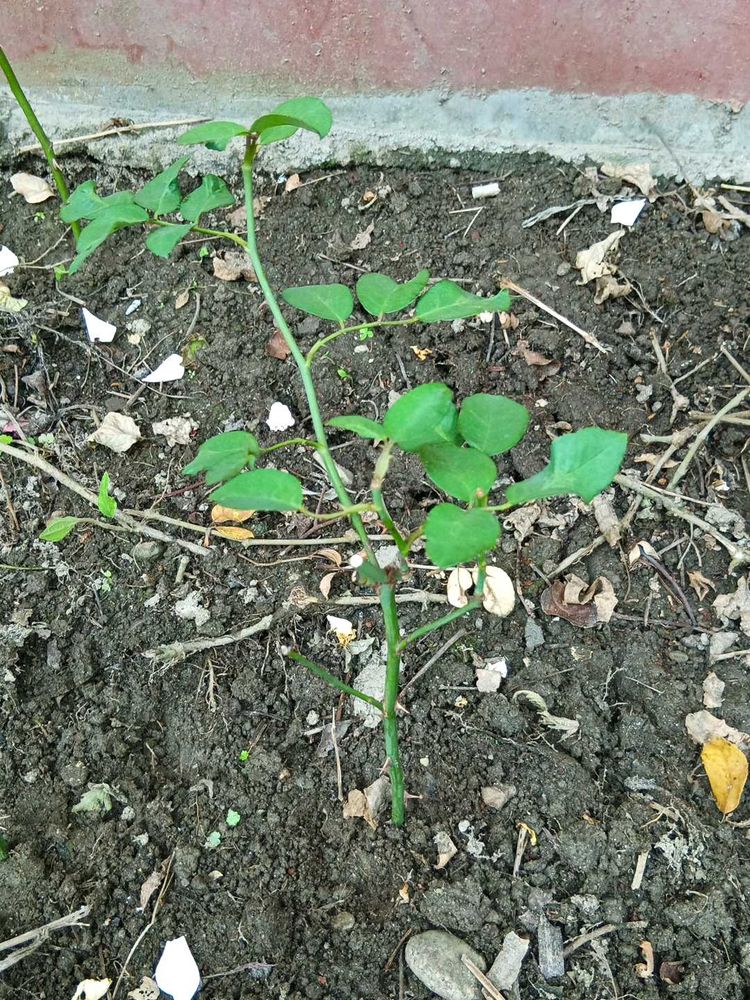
457,444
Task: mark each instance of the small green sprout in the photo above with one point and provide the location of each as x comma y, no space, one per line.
244,755
107,504
212,840
233,818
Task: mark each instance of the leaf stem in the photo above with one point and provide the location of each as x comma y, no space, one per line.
357,508
216,233
376,486
424,630
305,442
333,681
320,344
36,127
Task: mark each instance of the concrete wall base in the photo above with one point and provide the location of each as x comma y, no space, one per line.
678,135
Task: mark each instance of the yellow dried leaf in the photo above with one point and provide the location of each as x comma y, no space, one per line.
421,353
726,767
236,534
220,515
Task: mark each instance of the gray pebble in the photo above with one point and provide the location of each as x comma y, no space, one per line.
343,921
147,551
435,959
533,635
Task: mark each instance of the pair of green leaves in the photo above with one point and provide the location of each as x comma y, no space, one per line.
380,296
61,527
309,113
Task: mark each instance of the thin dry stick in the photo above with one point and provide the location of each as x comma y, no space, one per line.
125,520
34,938
583,939
433,659
157,906
735,363
334,741
682,468
116,130
176,652
740,554
588,337
489,987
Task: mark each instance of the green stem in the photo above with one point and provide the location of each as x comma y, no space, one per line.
499,508
288,444
378,476
36,127
357,508
390,719
333,681
299,358
320,344
424,630
216,233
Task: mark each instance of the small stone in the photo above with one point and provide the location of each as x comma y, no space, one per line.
434,957
507,966
563,269
147,551
533,635
343,921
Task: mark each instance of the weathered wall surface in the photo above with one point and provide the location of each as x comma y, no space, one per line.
488,75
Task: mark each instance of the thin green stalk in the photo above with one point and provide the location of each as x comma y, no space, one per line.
390,719
376,486
288,444
320,344
333,681
357,508
36,127
215,233
299,358
424,630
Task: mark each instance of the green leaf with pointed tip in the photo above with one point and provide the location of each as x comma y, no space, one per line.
301,112
454,536
462,473
361,426
334,302
212,193
223,456
446,300
162,193
494,424
583,463
381,295
107,505
162,241
109,220
424,415
261,489
212,135
58,529
85,203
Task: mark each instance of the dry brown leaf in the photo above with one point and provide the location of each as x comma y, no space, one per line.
700,583
421,353
606,519
325,585
736,606
222,515
651,458
32,189
277,347
117,431
8,303
726,767
182,299
497,796
446,849
235,534
591,262
713,691
367,804
578,602
645,969
363,239
714,222
637,174
608,287
151,884
332,555
508,321
237,218
703,727
530,356
292,183
232,266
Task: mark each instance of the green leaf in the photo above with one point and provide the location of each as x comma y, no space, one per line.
223,456
212,135
261,489
460,472
455,536
212,840
233,818
83,203
162,193
334,302
381,295
422,416
371,574
447,300
162,241
212,193
4,849
361,426
115,216
301,112
107,505
58,529
494,424
583,463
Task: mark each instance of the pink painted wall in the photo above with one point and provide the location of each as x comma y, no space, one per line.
588,46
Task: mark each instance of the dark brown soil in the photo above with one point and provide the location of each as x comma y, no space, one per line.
81,705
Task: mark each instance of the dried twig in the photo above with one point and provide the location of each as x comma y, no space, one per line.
29,941
115,130
682,468
583,939
489,987
167,881
176,652
588,337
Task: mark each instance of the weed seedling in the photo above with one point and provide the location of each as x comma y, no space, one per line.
457,445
